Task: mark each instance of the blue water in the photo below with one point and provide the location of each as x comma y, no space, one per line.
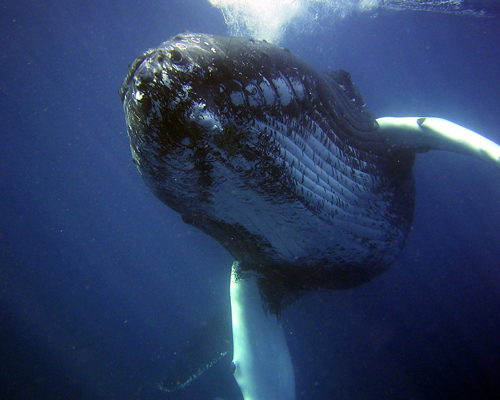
100,284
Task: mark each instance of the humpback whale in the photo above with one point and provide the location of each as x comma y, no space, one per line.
286,168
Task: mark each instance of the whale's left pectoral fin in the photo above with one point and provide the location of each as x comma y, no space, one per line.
422,134
261,360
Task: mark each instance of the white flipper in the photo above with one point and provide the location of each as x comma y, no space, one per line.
263,367
439,134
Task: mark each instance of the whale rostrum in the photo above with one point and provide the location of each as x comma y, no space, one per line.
286,168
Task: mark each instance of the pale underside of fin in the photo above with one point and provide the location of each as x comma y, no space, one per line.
261,360
421,134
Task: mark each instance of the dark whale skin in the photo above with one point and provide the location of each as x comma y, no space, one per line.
278,162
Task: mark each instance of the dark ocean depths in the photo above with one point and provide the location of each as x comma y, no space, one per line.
101,284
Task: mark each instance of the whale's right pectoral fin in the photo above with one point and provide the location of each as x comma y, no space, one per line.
261,360
422,134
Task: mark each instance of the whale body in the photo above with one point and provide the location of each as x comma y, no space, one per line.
270,157
286,168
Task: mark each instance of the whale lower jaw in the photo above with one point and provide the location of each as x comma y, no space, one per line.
312,206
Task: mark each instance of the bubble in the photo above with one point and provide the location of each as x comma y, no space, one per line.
269,19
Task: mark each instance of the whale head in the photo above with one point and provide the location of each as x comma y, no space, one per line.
254,147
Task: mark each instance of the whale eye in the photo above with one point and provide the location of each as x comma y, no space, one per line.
176,56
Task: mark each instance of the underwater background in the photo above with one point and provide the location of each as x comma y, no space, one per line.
101,284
